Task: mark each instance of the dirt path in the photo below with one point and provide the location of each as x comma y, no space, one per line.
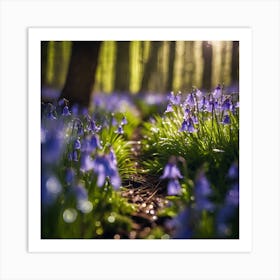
147,193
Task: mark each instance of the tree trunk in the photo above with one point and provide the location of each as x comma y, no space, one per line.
81,73
44,59
171,60
235,62
122,67
150,66
207,54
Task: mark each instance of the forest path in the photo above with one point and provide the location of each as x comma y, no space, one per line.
146,193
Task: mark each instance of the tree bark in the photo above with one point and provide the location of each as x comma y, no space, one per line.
81,73
207,54
44,59
235,62
150,66
171,60
122,67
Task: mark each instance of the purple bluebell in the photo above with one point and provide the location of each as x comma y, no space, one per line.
184,126
77,144
180,225
217,92
171,171
70,176
174,99
65,111
203,104
226,105
187,112
52,145
91,143
232,197
73,156
124,121
51,115
190,100
91,125
169,108
174,187
103,167
119,130
87,163
114,122
226,120
202,191
233,172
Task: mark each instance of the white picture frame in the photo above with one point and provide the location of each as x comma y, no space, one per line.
16,259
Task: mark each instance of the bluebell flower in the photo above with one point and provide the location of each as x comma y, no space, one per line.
232,197
51,115
124,121
87,163
171,171
226,105
184,126
169,108
91,143
203,104
233,172
77,144
65,111
119,130
103,167
70,176
91,125
190,100
114,122
174,187
180,225
226,119
202,191
187,112
217,92
73,156
174,99
52,145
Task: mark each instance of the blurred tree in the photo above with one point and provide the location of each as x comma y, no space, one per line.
58,65
44,59
122,73
171,59
223,62
207,54
81,73
235,62
151,65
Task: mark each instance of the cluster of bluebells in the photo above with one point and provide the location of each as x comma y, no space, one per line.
72,138
119,125
227,213
185,223
215,103
172,173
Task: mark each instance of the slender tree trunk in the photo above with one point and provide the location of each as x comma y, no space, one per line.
81,73
223,63
122,67
171,60
44,59
207,54
235,62
150,66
